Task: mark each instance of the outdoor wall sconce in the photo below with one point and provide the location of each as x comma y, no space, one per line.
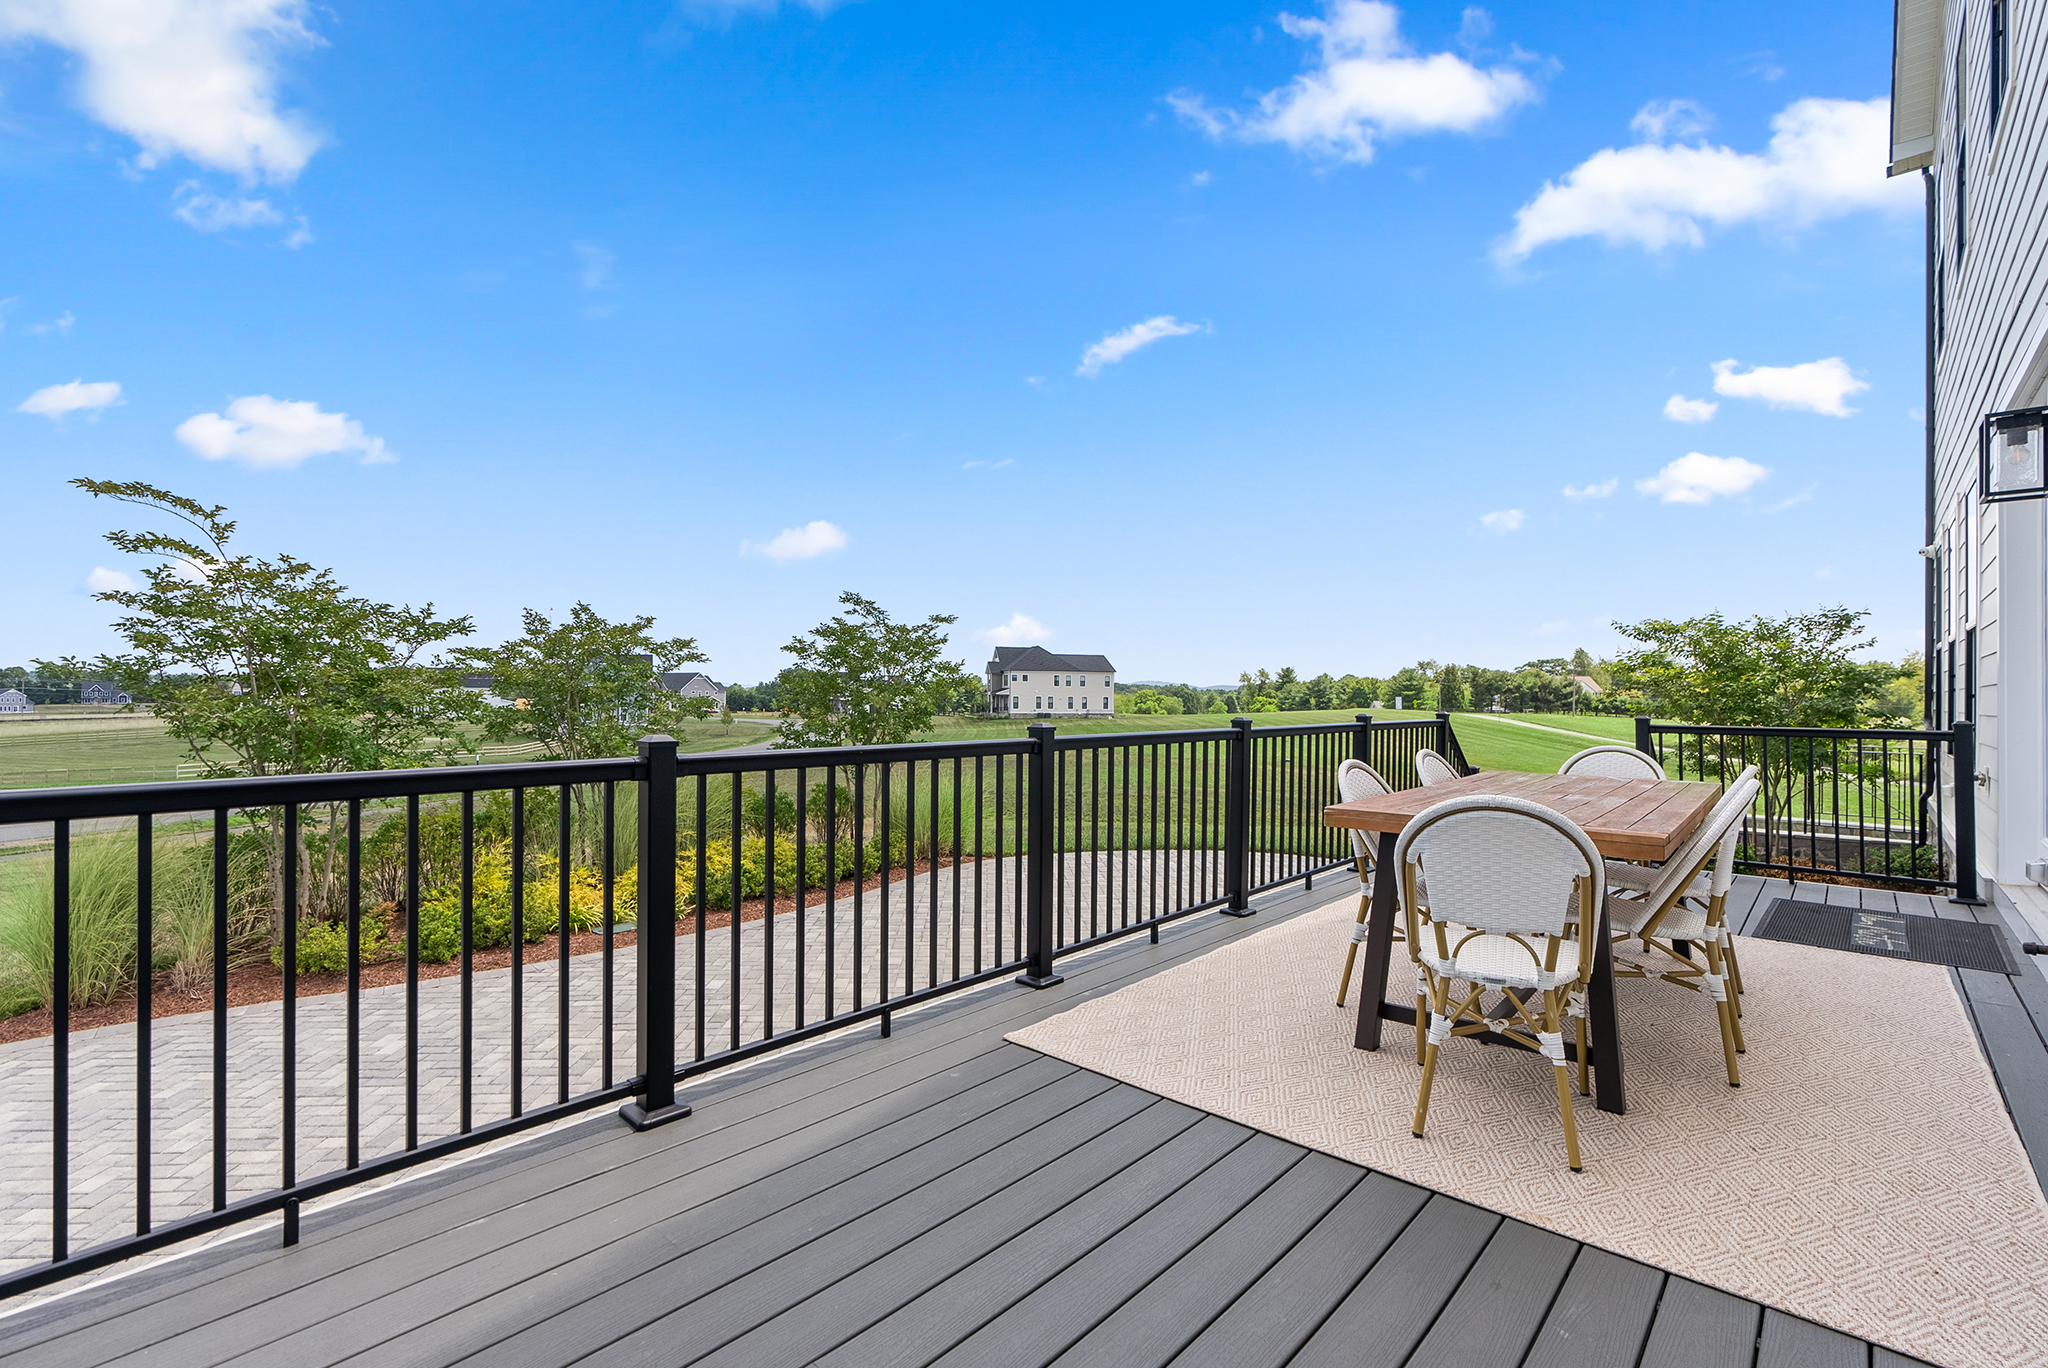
2010,461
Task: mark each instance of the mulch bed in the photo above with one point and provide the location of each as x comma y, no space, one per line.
264,982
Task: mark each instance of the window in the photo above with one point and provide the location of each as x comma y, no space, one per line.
1084,681
1997,70
1084,705
1037,704
1070,704
1962,161
1105,704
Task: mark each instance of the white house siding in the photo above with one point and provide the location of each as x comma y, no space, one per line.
1993,357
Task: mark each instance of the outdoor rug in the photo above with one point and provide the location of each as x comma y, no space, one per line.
1864,1176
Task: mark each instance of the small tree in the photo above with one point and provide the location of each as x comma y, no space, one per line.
1450,690
584,687
862,679
270,666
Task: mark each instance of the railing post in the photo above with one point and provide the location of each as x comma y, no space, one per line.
654,989
1643,742
1963,758
1039,815
1237,822
1361,740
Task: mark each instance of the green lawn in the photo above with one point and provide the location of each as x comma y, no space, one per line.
1490,741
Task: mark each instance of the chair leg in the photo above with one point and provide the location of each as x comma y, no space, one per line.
1351,955
1724,1008
1734,993
1437,990
1585,1090
1564,1087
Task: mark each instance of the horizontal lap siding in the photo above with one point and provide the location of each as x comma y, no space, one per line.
1993,306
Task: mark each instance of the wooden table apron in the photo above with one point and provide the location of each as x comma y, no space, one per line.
1627,819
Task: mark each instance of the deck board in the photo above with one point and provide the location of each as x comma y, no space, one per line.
942,1196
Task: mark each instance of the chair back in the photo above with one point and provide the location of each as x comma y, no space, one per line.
1500,864
1721,828
1356,780
1613,762
1432,768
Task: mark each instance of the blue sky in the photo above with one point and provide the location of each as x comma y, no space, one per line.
1201,335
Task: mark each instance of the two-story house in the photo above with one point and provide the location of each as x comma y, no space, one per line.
1968,115
1031,681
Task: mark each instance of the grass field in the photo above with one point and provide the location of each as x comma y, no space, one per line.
49,749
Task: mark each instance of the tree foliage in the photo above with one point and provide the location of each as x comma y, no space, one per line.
271,665
584,687
1794,671
862,679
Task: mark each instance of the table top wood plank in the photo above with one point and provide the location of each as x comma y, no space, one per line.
1629,819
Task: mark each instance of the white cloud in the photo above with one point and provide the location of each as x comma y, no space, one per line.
814,538
60,325
594,268
1504,521
299,236
1662,119
1115,346
1695,478
1591,491
190,78
987,465
54,401
105,581
1820,386
211,213
265,432
1826,158
1021,627
1680,409
1367,83
1199,179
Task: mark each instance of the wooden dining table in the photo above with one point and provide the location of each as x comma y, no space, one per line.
1628,819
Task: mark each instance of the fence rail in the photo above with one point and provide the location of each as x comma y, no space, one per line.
555,936
1863,802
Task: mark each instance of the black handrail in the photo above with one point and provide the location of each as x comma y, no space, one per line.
1867,802
777,895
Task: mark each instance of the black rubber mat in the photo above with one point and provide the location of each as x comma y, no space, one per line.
1930,940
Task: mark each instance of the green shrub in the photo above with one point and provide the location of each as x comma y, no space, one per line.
323,946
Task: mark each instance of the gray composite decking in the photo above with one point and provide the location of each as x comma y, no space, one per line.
943,1197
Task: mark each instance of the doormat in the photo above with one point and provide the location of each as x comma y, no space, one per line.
1930,940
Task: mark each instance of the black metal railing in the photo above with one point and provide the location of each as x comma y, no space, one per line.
463,953
1862,802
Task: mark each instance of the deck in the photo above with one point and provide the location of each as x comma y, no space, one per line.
941,1196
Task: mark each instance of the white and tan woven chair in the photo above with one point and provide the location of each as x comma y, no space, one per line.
1613,762
1683,902
1432,768
1508,872
1355,780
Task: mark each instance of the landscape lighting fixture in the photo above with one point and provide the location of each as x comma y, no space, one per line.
2010,461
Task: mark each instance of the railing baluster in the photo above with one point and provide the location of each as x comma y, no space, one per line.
768,908
60,1042
145,967
564,856
412,971
737,897
354,1045
221,855
289,1108
468,947
608,855
699,908
517,874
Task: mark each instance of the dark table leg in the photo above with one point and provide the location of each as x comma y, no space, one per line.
1379,944
1606,1038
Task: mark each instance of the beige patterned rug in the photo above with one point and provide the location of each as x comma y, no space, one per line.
1864,1176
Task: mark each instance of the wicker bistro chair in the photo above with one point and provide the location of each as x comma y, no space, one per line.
1683,902
1432,768
1613,762
1510,874
1355,780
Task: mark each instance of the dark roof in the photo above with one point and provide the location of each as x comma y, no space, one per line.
1038,658
679,680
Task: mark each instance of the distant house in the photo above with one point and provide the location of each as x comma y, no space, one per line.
691,684
1033,682
100,691
1588,685
15,701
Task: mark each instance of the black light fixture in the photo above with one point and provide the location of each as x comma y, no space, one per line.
2010,464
